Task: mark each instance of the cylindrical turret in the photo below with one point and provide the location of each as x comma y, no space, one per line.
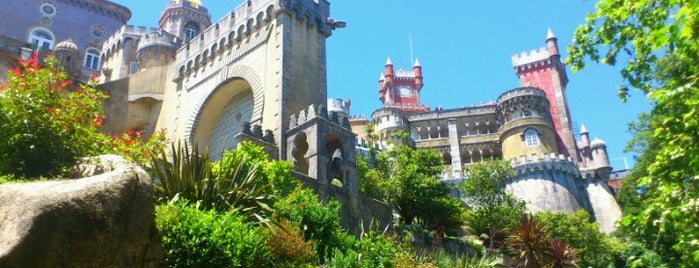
552,43
157,49
526,126
68,57
417,71
600,159
341,106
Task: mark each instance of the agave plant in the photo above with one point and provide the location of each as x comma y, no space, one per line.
184,174
235,185
530,244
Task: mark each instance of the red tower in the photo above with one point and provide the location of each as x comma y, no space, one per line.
401,89
543,68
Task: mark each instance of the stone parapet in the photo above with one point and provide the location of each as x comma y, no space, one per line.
545,161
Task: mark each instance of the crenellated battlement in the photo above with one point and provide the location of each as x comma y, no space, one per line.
532,56
248,21
358,118
116,41
519,92
545,161
321,111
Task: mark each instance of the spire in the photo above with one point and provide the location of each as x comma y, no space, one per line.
417,63
583,129
388,61
550,35
381,77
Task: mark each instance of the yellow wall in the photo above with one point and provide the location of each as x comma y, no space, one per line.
513,145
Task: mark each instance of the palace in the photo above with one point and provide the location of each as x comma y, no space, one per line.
259,74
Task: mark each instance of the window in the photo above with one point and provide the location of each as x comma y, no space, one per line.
190,31
92,59
526,113
531,138
48,9
133,67
42,38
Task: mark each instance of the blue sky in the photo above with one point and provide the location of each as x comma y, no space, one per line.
465,50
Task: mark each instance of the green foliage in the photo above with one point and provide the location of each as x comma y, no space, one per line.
45,125
319,221
493,209
231,184
275,173
575,229
660,38
635,255
195,238
406,178
371,250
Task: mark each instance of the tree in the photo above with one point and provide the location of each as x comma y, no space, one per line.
659,38
494,210
595,249
44,125
407,179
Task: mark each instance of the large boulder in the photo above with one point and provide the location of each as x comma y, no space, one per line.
105,220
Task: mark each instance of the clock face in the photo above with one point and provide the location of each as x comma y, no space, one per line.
405,91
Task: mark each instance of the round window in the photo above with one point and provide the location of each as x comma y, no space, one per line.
48,9
97,31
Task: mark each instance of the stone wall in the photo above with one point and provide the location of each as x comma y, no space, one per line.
358,212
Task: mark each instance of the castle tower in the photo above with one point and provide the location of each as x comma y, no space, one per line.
401,89
157,48
525,123
543,68
185,18
322,146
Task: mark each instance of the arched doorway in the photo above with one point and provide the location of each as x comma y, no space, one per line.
222,117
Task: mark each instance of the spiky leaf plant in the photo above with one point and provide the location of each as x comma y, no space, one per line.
530,244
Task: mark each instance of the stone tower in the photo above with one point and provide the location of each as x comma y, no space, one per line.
401,89
185,18
543,68
261,63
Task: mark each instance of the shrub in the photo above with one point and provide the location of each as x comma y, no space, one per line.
575,229
320,221
232,185
289,246
195,238
45,125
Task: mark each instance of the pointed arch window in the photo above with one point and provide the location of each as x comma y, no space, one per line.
42,38
92,59
531,138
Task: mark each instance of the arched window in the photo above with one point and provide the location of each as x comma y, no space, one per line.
92,59
531,138
42,38
190,30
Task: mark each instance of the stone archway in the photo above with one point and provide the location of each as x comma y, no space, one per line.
222,117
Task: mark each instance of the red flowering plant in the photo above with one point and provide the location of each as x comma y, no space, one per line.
46,123
132,145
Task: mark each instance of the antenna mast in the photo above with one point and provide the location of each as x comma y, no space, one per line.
410,39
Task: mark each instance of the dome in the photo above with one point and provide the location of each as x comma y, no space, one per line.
597,143
67,45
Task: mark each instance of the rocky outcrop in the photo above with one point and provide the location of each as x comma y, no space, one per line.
101,221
